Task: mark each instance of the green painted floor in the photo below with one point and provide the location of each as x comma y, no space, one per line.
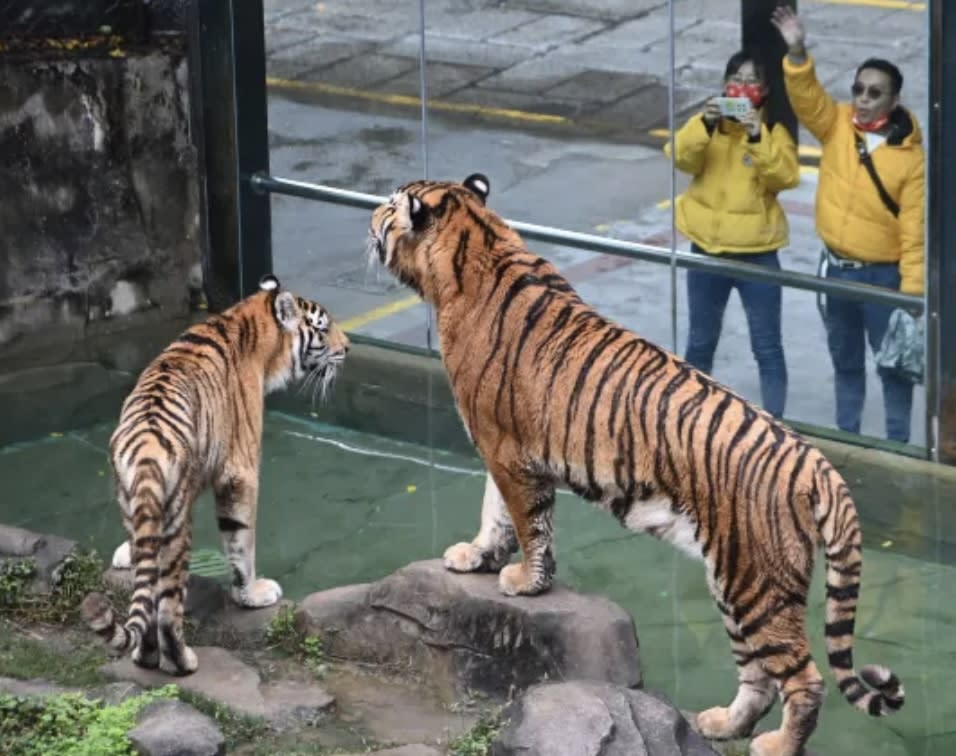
340,507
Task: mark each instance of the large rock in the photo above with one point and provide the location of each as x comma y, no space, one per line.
172,728
460,634
592,719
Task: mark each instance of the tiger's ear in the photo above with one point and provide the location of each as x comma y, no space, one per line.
418,211
268,283
479,185
286,310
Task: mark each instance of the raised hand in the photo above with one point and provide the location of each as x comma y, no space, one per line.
790,27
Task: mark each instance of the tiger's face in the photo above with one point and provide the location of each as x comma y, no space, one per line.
313,343
404,231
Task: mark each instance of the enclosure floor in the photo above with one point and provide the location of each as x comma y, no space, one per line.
338,507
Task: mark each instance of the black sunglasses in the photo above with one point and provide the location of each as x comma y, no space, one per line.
875,92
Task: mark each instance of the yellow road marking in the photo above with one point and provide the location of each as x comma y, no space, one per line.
316,87
399,305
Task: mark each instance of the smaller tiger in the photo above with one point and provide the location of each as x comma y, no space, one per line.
194,419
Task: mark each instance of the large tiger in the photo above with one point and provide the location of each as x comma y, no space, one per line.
552,392
194,419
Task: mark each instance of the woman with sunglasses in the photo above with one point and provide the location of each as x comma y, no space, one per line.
870,217
738,164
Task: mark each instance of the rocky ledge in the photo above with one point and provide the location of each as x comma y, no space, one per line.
562,670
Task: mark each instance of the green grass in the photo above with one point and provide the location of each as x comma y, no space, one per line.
70,725
477,741
79,574
282,634
26,659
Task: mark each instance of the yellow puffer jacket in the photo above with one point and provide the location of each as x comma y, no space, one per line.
851,218
731,204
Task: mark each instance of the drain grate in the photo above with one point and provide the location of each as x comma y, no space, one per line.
209,563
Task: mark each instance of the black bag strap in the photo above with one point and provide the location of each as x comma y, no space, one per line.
867,159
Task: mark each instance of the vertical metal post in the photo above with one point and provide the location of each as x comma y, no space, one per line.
230,130
759,35
941,227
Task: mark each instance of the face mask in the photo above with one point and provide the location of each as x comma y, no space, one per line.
875,125
753,92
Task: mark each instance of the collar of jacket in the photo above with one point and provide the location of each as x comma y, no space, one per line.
901,127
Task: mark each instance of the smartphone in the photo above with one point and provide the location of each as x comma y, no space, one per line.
734,107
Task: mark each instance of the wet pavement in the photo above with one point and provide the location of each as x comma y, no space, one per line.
601,64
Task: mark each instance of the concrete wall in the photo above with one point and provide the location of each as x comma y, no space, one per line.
99,219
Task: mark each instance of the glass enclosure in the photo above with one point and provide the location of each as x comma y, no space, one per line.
570,109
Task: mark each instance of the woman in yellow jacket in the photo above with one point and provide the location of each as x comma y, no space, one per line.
870,237
731,210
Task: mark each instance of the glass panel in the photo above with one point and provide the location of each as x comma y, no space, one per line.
332,122
789,369
907,547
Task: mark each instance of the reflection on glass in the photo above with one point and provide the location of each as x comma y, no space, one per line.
332,70
739,161
839,224
869,214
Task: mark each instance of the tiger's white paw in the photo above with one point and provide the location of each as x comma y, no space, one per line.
463,557
514,580
122,557
715,723
260,593
190,663
770,744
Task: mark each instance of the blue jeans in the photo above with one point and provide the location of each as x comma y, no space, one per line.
849,325
707,295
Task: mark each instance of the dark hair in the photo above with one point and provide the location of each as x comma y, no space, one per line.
749,56
741,57
878,64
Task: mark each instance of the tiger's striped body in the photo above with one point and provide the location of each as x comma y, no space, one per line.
194,419
551,392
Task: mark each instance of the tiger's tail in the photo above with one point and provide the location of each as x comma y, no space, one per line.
147,516
876,690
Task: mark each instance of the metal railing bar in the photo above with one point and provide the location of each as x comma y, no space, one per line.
632,250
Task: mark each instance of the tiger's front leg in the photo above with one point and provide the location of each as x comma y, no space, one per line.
530,503
236,502
496,541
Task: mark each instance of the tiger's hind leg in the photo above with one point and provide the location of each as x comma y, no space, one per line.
496,541
777,636
755,692
175,657
236,501
530,503
146,653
